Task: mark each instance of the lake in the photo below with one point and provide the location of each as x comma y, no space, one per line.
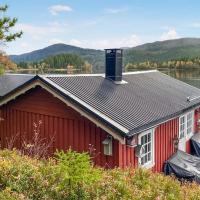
190,76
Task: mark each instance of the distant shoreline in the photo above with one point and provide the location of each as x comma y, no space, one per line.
38,71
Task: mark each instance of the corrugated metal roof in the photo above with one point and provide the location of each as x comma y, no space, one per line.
9,82
146,99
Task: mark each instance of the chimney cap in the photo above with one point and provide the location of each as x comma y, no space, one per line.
114,49
114,64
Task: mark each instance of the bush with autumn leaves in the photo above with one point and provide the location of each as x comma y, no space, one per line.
6,64
72,176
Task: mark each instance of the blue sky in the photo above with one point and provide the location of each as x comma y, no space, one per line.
101,23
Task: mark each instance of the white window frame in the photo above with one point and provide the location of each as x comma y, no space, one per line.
150,163
188,136
108,146
182,127
185,130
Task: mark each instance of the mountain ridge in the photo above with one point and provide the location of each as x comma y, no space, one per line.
158,51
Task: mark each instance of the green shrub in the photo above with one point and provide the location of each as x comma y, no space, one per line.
71,176
75,168
68,175
7,194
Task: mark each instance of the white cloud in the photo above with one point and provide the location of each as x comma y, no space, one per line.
24,45
115,10
56,9
169,35
55,41
195,25
130,41
41,32
75,42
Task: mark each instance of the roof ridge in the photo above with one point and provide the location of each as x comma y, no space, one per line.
13,74
69,75
140,72
100,74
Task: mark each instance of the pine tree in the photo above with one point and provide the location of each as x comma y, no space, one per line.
6,23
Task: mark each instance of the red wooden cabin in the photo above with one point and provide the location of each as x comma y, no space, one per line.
131,119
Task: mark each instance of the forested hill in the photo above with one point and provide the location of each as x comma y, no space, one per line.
95,57
185,48
54,49
164,50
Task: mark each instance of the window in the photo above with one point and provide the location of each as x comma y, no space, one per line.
147,153
189,123
186,125
107,146
182,127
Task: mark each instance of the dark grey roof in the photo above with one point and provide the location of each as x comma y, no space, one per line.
9,82
146,100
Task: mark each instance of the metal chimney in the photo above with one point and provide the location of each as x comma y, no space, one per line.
114,64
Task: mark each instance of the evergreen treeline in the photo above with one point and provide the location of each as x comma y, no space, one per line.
70,62
185,63
63,60
76,64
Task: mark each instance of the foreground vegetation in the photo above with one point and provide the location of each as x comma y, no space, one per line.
6,63
71,175
7,35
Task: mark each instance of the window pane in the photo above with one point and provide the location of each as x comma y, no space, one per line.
182,127
145,148
149,137
145,139
149,156
145,159
189,123
182,135
149,147
142,160
142,140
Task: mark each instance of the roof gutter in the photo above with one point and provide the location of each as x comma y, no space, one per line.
161,121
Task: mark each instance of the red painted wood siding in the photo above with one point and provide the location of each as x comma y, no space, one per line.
70,129
66,126
163,145
127,157
196,118
196,128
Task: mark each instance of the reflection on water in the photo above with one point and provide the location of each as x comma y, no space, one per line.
190,76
